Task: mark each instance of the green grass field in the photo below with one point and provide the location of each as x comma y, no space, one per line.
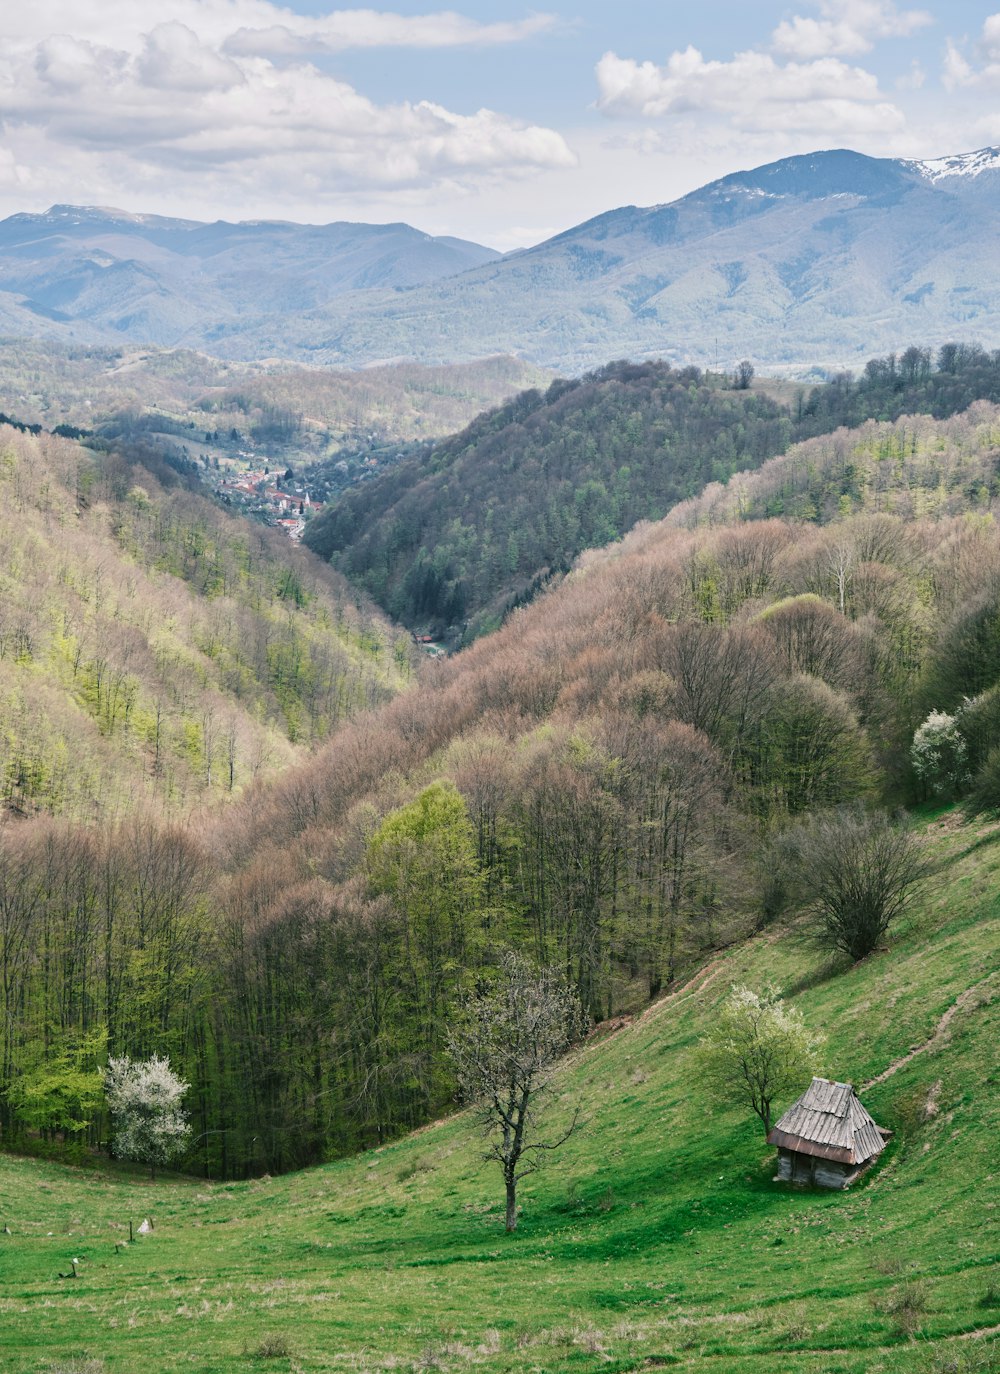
655,1239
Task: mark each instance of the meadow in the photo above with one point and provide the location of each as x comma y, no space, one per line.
656,1238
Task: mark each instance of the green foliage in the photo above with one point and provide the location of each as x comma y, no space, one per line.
423,857
758,1052
816,755
478,525
966,660
984,796
657,1239
527,487
152,647
64,1092
858,870
600,784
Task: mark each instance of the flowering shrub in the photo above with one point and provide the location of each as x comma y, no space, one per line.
940,755
144,1098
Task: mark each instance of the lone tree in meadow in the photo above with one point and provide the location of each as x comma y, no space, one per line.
743,375
757,1052
504,1050
856,869
148,1123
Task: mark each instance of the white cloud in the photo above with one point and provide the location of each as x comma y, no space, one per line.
958,71
127,101
914,79
173,58
989,43
297,35
752,89
847,28
218,22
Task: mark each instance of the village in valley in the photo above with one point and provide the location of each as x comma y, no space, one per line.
275,499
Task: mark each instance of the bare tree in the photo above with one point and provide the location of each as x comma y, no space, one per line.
857,870
840,559
504,1050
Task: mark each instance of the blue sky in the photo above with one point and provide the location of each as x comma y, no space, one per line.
502,123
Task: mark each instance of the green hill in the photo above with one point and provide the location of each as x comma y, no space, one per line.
154,649
476,525
600,783
456,536
183,401
655,1239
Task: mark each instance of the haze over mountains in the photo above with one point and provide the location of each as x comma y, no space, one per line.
814,260
104,274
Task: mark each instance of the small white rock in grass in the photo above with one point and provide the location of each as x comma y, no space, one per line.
145,1228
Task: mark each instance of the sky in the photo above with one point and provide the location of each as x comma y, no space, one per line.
500,123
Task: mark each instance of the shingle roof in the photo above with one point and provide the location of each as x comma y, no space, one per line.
829,1121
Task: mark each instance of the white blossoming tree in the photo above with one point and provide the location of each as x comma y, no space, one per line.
144,1096
940,755
758,1051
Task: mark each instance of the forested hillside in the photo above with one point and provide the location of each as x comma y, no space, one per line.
453,539
606,783
481,521
655,1238
100,273
153,649
820,259
206,405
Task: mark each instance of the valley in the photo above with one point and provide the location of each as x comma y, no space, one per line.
658,1239
330,697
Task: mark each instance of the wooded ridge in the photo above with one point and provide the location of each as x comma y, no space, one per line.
603,783
154,650
450,541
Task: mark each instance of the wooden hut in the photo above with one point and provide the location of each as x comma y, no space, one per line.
827,1137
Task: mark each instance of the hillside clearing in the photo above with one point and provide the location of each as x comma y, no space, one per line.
656,1239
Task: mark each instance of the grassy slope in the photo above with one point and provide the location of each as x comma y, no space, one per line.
658,1238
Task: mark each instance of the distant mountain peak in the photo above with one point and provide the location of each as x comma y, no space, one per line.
959,164
88,214
821,259
821,175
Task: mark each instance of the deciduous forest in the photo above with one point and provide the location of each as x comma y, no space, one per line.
606,783
453,539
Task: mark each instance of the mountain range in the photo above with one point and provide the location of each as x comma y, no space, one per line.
105,275
813,260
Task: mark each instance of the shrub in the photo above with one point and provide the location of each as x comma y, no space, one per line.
907,1304
144,1098
757,1051
940,756
271,1347
856,869
984,798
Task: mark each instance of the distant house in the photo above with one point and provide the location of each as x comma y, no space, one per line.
827,1137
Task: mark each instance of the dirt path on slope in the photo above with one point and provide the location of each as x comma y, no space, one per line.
604,1030
970,997
705,975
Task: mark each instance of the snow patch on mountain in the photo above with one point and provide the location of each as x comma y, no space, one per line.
960,164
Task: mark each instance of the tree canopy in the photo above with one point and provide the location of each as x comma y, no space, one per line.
144,1098
758,1051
